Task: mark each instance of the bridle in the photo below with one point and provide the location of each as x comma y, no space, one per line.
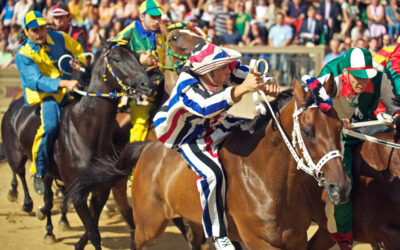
304,163
183,59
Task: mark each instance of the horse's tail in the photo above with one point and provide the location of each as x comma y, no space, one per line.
103,170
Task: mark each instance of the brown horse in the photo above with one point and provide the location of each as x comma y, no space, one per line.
179,43
375,194
264,203
84,137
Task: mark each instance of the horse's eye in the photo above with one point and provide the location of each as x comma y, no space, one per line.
175,37
308,132
117,59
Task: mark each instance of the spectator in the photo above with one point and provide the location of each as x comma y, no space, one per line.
12,38
94,40
347,44
5,56
331,11
231,36
62,21
376,18
296,14
261,13
131,12
46,11
311,29
360,43
177,11
7,13
280,35
393,19
335,53
359,31
106,15
373,46
242,22
21,8
386,41
75,10
271,14
254,38
208,13
219,20
350,13
119,10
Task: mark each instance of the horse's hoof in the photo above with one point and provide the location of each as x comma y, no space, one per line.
12,195
27,207
50,239
64,225
39,214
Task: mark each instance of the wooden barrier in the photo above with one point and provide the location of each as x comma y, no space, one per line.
9,86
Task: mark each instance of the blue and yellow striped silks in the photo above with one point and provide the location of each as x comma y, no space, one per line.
37,65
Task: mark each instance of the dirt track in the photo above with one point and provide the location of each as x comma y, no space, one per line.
25,231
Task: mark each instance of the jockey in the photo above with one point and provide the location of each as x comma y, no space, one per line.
359,88
194,121
62,19
42,83
147,40
393,68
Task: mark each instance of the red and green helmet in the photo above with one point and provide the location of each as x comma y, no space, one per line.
358,62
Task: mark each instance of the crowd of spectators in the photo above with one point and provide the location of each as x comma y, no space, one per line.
336,24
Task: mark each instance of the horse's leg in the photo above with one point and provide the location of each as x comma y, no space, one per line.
82,210
48,205
320,240
28,203
13,193
121,198
64,224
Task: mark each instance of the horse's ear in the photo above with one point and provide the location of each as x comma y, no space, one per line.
102,40
330,86
300,95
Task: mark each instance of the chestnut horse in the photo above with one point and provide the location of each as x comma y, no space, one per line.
375,194
84,137
265,205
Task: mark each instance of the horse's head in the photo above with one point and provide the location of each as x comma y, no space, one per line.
121,70
321,150
182,41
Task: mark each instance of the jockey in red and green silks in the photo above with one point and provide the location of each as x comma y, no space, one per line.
359,87
147,40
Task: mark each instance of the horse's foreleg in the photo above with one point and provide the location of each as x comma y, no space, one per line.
121,198
13,193
48,205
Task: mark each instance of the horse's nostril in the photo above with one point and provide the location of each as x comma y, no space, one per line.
332,187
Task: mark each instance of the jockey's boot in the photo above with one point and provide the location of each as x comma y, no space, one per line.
223,243
345,245
38,184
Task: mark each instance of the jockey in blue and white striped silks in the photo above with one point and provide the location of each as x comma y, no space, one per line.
195,121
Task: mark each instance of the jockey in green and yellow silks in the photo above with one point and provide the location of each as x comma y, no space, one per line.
147,40
44,84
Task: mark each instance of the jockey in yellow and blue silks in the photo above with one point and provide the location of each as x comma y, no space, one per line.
147,40
44,84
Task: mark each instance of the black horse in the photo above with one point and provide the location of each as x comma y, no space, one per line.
84,137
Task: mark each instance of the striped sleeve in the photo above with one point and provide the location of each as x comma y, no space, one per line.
393,69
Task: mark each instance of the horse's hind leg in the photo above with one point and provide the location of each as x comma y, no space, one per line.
120,197
13,193
64,224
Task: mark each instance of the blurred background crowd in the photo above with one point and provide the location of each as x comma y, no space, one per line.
335,24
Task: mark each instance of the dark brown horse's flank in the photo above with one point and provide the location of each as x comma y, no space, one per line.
85,131
265,206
